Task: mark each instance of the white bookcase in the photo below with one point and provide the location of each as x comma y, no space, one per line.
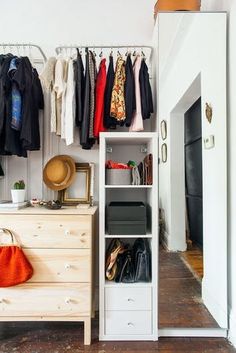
128,311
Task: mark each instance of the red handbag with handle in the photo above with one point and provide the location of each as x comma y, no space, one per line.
15,268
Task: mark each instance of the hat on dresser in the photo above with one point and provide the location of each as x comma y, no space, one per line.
59,172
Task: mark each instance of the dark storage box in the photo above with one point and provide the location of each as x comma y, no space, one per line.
126,218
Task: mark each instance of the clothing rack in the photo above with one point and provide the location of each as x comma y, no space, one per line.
65,47
23,46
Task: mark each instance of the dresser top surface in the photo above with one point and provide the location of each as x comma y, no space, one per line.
65,210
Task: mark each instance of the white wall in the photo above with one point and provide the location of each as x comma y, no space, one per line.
196,65
80,22
230,6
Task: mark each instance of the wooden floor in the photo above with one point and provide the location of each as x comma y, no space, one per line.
194,260
179,305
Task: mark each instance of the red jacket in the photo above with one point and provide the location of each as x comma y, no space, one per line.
99,108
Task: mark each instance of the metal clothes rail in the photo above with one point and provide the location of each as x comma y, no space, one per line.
24,46
60,48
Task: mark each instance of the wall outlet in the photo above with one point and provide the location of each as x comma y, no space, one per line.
209,142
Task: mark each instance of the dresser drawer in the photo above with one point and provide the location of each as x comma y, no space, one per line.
137,298
50,231
128,322
45,300
60,265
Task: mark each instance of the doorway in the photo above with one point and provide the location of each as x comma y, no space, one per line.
193,189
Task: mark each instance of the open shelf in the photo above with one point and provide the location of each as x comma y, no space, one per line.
128,186
148,235
135,284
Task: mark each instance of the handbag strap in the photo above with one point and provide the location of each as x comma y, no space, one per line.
9,232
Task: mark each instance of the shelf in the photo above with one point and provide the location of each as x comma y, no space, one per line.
148,235
128,186
136,284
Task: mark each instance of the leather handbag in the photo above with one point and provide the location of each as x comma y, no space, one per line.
148,169
14,266
142,260
115,248
125,267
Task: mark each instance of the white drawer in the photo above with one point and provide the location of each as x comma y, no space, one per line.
34,299
137,298
128,323
60,265
50,231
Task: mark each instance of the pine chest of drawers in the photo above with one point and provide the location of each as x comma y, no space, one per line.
59,245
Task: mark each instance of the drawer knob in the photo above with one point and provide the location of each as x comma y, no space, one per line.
35,235
68,300
130,324
67,232
130,300
2,300
83,234
67,266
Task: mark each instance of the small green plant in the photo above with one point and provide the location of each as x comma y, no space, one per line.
19,185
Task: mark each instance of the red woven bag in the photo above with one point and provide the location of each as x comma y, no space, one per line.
14,266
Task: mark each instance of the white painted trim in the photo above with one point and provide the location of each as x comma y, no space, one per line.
128,338
192,332
232,327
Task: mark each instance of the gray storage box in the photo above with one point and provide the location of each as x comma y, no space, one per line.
118,176
126,218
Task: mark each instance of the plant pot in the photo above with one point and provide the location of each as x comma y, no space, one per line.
18,195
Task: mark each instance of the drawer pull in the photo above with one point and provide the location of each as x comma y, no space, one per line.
83,240
67,232
130,300
130,324
35,235
68,300
2,301
67,266
83,234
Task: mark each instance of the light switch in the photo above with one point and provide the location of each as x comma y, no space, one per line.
209,142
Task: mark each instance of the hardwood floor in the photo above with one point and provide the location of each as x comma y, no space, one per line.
68,337
179,305
194,260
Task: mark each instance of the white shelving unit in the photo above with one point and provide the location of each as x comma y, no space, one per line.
128,311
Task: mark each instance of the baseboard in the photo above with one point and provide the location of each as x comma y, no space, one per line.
232,327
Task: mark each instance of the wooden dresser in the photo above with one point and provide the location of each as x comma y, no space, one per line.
59,245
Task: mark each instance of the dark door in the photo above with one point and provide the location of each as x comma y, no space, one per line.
193,171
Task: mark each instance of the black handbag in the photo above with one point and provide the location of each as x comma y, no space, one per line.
142,260
125,265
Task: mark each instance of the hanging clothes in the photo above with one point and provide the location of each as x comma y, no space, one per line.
117,97
137,121
47,78
109,121
29,84
16,98
130,101
26,81
68,123
59,88
92,78
100,91
85,141
79,88
145,91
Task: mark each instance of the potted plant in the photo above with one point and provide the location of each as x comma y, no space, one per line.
18,191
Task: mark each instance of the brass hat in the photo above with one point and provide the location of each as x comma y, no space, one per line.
59,172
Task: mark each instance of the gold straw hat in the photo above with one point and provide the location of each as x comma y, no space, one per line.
59,172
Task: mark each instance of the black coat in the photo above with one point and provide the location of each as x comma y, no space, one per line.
145,91
130,101
85,141
79,89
